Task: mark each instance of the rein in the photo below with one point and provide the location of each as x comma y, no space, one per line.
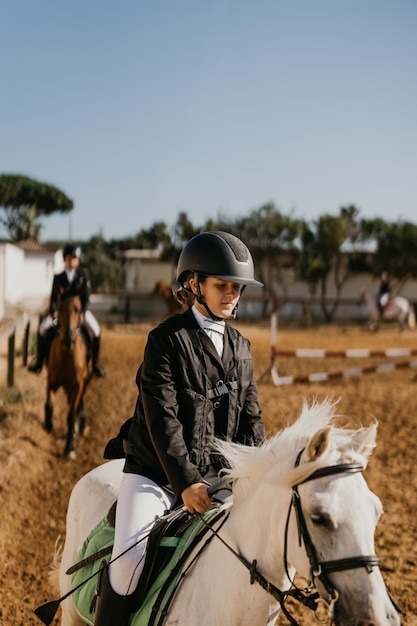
256,576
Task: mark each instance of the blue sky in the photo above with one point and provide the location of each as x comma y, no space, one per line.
139,109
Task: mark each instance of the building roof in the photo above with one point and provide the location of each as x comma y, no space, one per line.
31,245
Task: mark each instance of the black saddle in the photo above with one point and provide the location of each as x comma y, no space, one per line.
158,553
158,556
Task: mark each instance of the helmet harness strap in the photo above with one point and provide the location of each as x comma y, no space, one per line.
200,300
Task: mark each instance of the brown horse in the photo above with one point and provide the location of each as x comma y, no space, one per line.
69,367
165,291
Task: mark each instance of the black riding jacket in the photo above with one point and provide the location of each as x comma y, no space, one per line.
187,396
80,286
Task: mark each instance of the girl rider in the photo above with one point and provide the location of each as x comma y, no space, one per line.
196,383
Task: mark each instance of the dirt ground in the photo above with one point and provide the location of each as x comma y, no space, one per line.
35,481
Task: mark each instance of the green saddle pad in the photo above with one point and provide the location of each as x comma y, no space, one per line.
160,592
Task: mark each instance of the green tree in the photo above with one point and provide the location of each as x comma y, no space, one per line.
184,230
104,269
396,251
23,201
323,257
271,237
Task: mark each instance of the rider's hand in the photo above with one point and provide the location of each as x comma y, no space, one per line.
196,498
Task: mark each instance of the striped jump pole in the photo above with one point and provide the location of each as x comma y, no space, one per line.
353,353
319,377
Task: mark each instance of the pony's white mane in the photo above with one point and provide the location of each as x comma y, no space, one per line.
274,461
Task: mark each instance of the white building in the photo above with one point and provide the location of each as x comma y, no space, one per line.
143,268
27,269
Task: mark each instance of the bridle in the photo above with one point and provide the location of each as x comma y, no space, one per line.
68,333
319,570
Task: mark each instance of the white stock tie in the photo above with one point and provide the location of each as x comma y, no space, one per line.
215,330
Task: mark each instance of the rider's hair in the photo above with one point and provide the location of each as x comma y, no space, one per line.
184,294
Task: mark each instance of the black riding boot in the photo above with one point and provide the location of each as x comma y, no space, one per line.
98,369
36,364
111,608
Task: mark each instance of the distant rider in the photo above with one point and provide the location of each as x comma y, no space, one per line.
383,293
73,280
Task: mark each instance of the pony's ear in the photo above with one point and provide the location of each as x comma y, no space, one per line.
318,444
365,440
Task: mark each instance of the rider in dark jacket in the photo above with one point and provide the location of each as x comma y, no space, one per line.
196,383
72,281
79,285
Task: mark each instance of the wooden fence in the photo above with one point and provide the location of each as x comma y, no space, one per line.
9,331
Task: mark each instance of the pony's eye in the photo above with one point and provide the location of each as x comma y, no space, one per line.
321,519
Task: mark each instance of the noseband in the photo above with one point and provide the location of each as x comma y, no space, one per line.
320,569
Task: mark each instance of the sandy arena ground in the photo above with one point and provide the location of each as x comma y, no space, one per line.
35,481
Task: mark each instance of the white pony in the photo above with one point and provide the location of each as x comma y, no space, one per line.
300,503
397,309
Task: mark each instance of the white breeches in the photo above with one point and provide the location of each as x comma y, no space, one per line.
384,299
47,323
140,501
90,321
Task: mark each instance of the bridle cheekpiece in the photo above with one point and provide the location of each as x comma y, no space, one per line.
319,570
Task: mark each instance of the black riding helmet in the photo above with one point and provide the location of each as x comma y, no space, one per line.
71,250
220,255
